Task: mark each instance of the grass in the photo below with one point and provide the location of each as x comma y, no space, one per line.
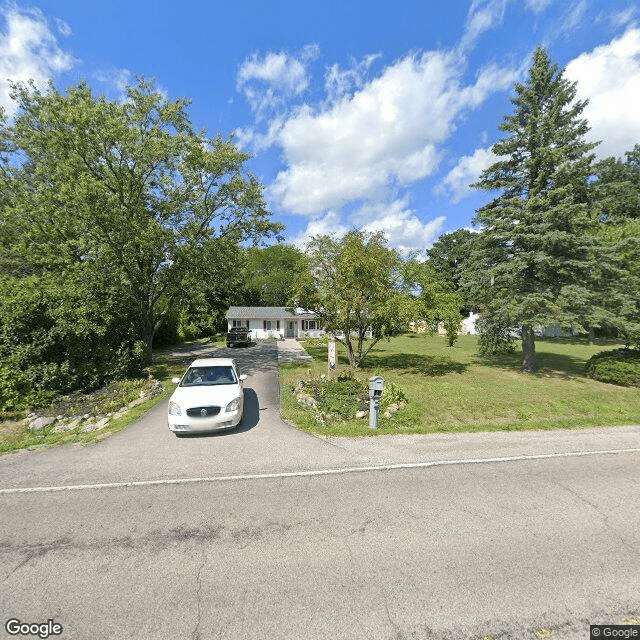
15,435
452,389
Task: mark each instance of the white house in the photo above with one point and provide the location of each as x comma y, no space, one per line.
275,322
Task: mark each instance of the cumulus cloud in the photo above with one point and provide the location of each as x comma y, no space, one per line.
328,224
267,82
609,77
342,82
387,133
466,171
402,227
29,50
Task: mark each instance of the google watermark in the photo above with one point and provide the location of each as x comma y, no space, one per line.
619,631
15,627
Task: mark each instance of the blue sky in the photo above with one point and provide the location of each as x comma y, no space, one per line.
359,114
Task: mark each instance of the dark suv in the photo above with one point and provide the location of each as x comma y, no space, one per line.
238,335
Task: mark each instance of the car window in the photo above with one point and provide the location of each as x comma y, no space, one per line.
206,376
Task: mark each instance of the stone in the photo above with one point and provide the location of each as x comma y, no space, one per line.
64,427
103,423
387,414
90,426
306,400
361,414
41,423
393,408
401,405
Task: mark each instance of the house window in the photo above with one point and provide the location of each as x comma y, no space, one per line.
239,323
267,325
278,325
309,324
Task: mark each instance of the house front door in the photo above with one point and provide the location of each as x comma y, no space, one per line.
291,329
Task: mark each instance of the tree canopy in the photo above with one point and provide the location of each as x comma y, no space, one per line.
124,198
358,283
537,260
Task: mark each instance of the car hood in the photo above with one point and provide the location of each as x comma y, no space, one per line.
215,395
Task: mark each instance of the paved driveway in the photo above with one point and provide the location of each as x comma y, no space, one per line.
265,444
461,550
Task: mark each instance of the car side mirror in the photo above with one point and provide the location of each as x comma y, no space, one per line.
175,380
244,376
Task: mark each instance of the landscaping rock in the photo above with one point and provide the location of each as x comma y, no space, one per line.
64,427
136,402
306,400
41,423
361,414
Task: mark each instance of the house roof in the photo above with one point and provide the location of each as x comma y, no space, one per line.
266,313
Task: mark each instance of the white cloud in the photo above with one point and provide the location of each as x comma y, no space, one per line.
619,19
329,224
404,230
401,226
609,76
269,81
538,5
483,15
574,16
467,171
387,133
29,51
342,82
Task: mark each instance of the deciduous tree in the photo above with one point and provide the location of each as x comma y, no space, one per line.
129,189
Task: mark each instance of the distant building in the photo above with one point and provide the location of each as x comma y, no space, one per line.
275,322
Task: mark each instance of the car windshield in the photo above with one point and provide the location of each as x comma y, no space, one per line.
204,376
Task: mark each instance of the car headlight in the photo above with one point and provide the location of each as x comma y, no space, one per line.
234,405
174,409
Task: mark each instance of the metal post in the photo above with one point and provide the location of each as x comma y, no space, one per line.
374,405
332,357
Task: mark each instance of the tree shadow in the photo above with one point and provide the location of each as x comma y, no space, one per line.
414,363
560,365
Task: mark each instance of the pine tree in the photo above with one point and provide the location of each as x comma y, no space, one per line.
537,261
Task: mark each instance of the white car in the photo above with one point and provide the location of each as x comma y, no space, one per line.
209,397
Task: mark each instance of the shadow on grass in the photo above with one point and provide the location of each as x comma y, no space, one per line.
549,364
414,363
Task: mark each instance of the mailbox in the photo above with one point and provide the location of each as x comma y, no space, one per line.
376,387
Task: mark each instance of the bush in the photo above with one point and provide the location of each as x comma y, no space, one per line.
618,366
494,338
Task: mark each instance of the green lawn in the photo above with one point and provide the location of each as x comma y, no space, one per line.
452,389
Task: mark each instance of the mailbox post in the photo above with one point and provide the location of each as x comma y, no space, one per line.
376,387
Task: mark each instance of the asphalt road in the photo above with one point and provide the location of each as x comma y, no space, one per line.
271,533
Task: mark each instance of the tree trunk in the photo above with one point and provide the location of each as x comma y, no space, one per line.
529,362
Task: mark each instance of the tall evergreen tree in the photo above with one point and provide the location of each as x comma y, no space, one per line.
537,261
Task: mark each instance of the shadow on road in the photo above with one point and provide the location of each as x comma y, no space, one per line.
259,356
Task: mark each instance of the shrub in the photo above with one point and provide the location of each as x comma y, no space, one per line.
392,394
618,366
494,338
